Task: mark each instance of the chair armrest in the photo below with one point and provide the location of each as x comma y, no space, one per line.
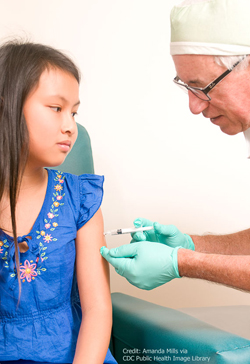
145,332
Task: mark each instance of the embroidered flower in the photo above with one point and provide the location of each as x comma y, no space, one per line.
58,187
33,268
42,259
47,238
48,225
28,271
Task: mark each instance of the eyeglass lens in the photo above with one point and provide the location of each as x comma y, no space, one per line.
197,93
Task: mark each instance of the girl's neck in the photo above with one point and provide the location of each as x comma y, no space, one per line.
33,179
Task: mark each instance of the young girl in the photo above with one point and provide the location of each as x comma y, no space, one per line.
51,227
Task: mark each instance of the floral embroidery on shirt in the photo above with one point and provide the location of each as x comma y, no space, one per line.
50,225
29,270
1,249
4,252
47,238
58,188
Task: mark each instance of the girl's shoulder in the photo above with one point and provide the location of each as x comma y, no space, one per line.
84,193
84,180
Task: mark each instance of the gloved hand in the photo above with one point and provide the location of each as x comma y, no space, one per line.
145,265
164,234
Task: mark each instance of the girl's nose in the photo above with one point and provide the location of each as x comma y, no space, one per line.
69,124
196,105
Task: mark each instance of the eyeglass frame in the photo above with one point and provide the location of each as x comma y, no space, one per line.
211,85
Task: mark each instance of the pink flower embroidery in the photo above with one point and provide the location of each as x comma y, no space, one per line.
28,271
37,259
1,250
61,180
50,215
58,198
47,238
47,226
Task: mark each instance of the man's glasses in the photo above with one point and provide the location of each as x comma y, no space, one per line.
202,93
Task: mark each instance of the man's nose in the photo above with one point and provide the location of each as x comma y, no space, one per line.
196,105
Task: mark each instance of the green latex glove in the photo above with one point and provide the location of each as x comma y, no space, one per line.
145,265
164,234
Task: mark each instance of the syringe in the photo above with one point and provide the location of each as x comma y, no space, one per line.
128,230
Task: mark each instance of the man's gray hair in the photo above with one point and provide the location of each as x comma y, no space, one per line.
229,61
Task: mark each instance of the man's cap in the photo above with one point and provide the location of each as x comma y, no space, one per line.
211,27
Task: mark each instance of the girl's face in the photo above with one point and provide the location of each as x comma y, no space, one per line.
49,112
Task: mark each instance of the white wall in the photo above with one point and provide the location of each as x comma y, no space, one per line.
159,160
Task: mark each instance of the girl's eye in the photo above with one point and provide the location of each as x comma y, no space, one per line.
56,108
74,114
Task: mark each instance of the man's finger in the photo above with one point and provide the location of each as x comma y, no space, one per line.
124,251
140,236
119,264
105,253
140,221
167,230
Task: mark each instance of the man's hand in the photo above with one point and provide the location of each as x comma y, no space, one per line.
145,265
164,234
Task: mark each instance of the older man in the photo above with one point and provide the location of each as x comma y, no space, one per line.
210,48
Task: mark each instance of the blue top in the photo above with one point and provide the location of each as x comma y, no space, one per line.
44,327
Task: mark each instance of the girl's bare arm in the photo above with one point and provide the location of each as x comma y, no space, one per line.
93,284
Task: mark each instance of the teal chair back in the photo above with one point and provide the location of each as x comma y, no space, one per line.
80,158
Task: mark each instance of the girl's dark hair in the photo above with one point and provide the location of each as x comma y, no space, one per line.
21,65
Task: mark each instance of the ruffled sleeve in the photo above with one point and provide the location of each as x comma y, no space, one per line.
90,196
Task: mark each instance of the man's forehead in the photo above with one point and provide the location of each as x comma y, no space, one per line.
193,59
196,68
